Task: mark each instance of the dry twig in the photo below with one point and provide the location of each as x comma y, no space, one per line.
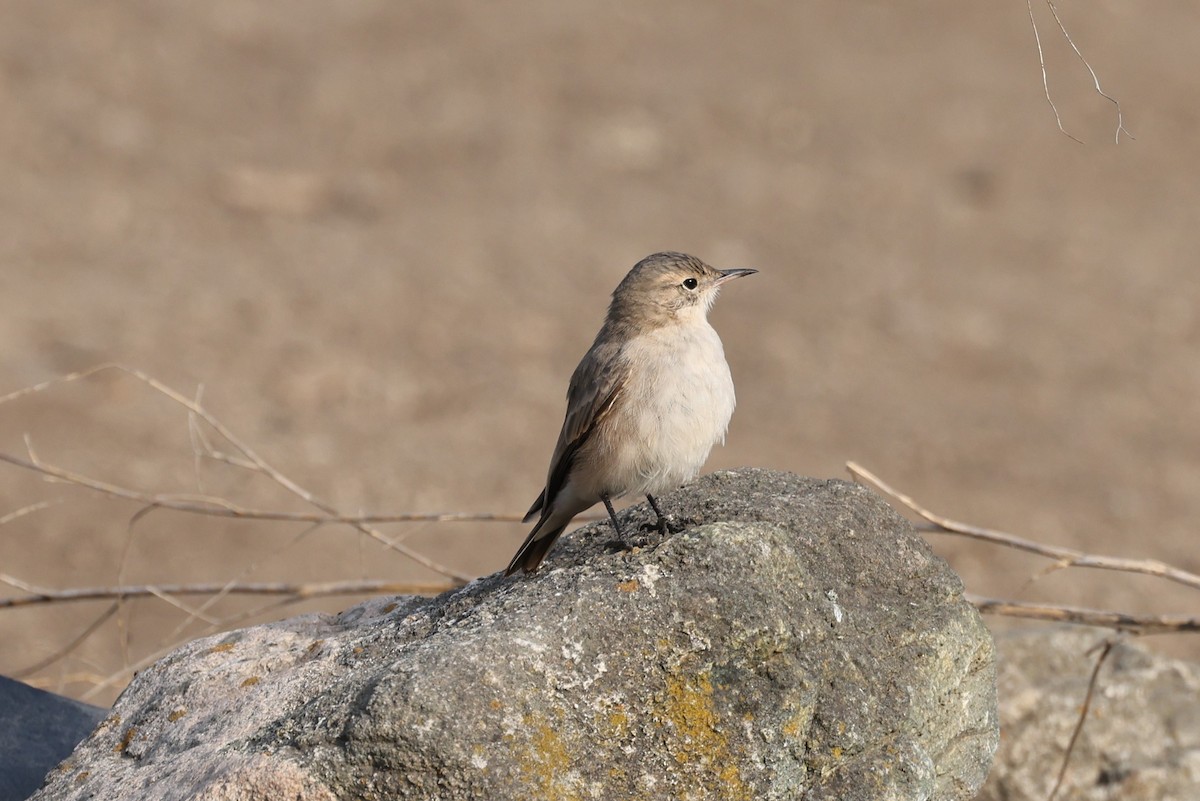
1045,79
75,642
297,592
214,506
1121,621
1106,648
1095,78
1066,557
246,457
205,431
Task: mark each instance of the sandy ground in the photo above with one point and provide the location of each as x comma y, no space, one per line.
379,236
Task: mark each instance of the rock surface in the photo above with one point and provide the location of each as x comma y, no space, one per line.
37,729
796,641
1141,741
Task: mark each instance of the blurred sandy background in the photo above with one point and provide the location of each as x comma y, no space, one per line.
381,234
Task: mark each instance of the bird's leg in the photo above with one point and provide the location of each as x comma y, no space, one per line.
664,522
612,515
618,542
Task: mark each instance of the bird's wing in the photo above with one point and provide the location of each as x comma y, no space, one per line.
597,383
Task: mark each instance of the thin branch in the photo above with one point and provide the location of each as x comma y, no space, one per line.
1122,621
71,646
125,613
1095,78
1045,79
58,683
198,440
63,379
126,672
26,510
249,454
42,595
1105,649
1069,557
219,507
190,611
247,570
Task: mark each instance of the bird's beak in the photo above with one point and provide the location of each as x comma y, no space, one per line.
729,275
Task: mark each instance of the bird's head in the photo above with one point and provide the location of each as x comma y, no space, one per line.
666,287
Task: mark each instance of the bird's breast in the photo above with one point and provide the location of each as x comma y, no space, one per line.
678,401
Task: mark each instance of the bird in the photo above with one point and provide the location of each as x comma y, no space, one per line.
646,404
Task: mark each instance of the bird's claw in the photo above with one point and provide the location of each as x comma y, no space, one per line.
665,526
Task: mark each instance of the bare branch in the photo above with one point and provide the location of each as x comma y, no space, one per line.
1105,649
42,595
219,507
99,685
246,452
1045,79
71,646
64,379
1069,557
190,611
1122,621
1095,78
26,510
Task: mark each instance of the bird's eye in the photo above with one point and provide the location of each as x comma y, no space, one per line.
690,283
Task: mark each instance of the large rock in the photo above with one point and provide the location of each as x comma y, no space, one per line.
37,729
797,641
1141,740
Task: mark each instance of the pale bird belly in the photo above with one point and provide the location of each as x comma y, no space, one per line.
676,411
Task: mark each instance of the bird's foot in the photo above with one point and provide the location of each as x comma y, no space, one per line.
616,545
628,543
665,526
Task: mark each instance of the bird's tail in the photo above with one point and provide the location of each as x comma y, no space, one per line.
536,545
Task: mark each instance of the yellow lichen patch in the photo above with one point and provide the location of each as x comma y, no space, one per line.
629,586
618,722
250,682
176,714
547,761
700,741
797,726
223,647
130,733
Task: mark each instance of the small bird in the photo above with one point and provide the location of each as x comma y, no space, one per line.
645,405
